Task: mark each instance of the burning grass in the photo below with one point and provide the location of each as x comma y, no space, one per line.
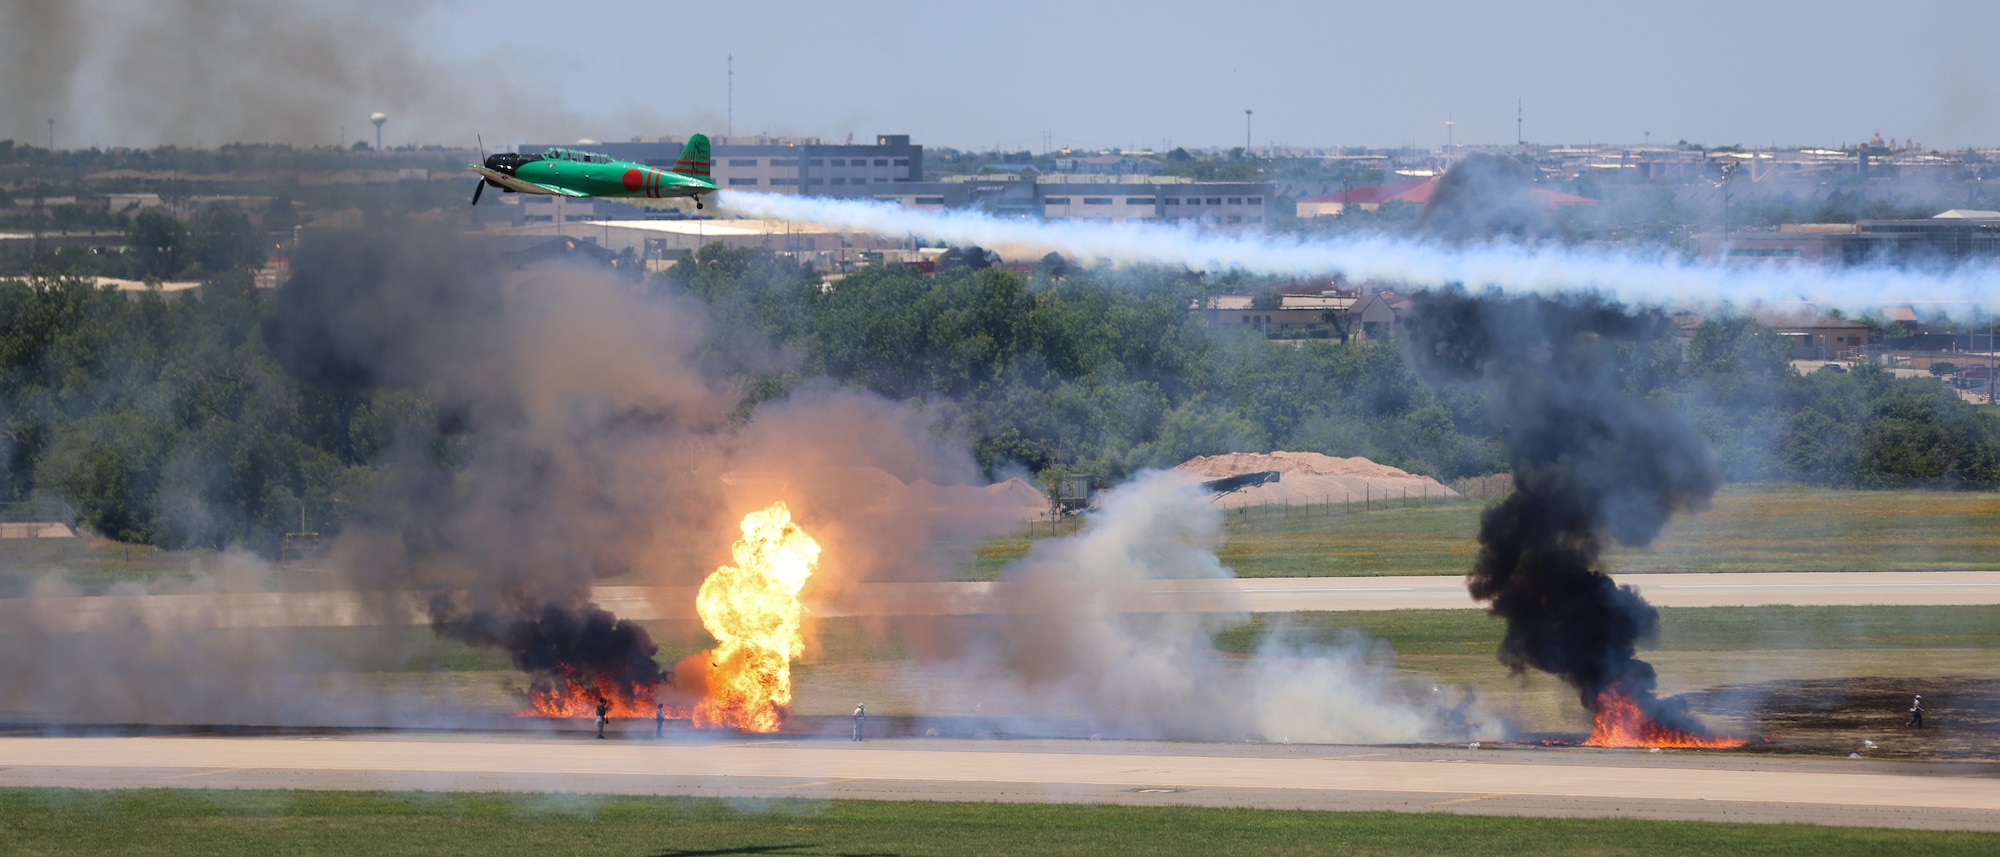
1619,721
1866,715
1718,659
57,822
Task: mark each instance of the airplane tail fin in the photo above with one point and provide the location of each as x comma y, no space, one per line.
693,161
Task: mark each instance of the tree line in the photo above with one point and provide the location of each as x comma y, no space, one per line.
169,422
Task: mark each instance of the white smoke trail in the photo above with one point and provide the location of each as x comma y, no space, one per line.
1515,268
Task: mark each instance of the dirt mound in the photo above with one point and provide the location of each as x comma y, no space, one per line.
1309,478
1018,496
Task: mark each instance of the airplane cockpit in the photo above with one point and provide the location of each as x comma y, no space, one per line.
558,154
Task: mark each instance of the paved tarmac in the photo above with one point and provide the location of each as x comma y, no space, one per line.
1256,595
1510,780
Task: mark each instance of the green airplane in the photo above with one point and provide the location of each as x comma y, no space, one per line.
572,172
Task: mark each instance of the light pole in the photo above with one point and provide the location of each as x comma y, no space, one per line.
1728,175
1246,133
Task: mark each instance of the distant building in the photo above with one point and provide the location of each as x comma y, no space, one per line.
1416,191
658,243
1814,336
1110,165
1953,236
1291,310
1161,199
1381,315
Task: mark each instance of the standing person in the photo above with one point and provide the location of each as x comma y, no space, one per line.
603,714
1916,713
860,715
659,719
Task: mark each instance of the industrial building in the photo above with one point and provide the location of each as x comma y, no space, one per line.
1953,236
1308,309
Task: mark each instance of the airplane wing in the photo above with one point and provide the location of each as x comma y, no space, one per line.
510,182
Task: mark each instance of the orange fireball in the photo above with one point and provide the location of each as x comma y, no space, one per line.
752,609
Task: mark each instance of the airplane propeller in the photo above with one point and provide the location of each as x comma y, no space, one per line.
481,186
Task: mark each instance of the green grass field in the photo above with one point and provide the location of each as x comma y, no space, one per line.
1748,528
850,659
1682,629
52,823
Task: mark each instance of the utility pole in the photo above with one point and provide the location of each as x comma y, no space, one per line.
52,134
729,130
1728,175
1517,123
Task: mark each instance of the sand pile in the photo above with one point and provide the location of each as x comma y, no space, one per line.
1310,478
1025,501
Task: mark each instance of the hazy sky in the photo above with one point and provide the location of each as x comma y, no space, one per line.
144,72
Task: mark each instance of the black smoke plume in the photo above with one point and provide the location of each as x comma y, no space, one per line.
561,645
370,308
561,402
1592,463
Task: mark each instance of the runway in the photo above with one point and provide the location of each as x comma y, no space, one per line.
1505,781
1254,595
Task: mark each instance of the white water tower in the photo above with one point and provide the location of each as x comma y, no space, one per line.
378,117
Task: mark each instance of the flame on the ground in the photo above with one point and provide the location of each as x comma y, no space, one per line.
565,694
1620,723
752,609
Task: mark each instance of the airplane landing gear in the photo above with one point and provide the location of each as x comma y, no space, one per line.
697,206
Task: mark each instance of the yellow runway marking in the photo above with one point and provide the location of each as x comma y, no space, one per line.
1471,799
207,773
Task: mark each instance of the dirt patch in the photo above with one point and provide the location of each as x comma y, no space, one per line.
1835,717
1311,479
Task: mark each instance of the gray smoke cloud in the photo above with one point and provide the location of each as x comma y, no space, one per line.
1486,197
40,49
202,652
1072,647
579,436
150,72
